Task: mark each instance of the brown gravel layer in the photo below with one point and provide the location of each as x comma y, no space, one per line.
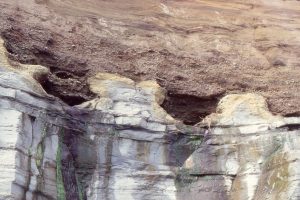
198,50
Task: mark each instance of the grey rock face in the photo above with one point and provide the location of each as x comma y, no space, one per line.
123,145
252,153
28,147
127,150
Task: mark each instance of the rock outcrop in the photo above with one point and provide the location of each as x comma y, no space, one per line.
121,145
251,154
124,145
198,50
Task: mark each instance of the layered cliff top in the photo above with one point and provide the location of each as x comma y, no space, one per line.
197,50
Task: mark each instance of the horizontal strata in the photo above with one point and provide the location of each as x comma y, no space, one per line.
195,48
123,145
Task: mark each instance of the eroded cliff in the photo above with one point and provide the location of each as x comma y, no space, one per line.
199,50
123,145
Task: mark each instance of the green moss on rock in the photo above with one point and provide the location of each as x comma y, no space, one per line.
184,178
39,155
61,193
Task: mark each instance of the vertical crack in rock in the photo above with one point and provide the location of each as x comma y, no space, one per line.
181,146
61,192
70,178
39,157
29,151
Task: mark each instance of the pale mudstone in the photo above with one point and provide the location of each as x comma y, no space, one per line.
122,96
207,187
129,121
32,73
246,142
241,109
221,159
254,128
112,86
140,135
154,126
7,171
8,92
152,89
10,126
18,140
128,108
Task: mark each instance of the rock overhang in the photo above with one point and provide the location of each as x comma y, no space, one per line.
126,127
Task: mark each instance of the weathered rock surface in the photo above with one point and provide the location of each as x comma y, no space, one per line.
61,152
123,145
251,153
196,48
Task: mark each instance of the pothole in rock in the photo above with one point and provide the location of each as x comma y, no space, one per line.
189,109
70,88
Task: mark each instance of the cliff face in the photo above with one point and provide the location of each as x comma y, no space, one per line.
199,50
152,99
124,145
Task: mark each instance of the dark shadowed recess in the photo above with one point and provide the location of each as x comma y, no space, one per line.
68,78
69,87
189,109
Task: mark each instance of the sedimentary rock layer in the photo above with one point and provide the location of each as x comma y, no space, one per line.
198,50
123,145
